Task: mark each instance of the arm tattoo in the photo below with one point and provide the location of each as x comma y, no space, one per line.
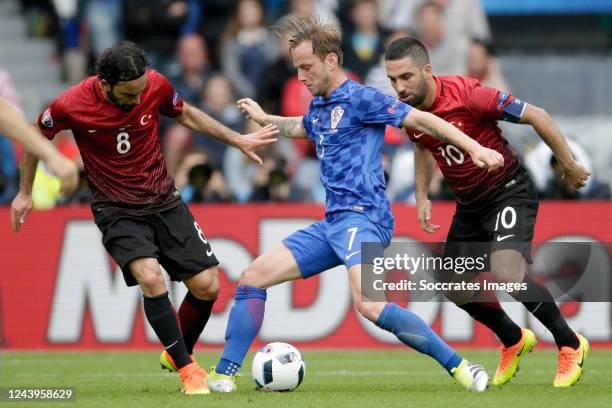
440,136
288,127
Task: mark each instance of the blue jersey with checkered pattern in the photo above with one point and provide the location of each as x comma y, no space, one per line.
348,129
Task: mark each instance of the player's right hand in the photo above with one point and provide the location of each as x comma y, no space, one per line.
576,174
486,158
251,109
66,171
251,142
424,213
20,207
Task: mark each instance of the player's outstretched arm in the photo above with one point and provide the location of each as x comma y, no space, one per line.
575,173
424,167
291,127
16,128
200,122
22,203
444,131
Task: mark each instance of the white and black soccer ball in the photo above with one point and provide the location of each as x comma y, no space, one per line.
278,367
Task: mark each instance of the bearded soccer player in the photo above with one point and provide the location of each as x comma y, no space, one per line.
497,208
114,117
347,122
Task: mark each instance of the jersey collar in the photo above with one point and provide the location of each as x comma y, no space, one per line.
97,90
439,92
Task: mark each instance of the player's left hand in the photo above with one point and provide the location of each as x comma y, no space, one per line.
486,158
576,174
424,214
249,143
20,208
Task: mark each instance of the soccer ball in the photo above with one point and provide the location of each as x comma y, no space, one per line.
278,367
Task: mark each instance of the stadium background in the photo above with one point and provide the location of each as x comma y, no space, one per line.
59,289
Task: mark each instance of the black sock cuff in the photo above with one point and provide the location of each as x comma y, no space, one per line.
195,302
155,298
158,306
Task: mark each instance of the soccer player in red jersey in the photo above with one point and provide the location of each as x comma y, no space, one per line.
114,117
16,128
498,208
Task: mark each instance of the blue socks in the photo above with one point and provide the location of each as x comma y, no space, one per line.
242,327
411,330
248,311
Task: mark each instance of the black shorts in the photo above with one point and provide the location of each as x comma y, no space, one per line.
172,236
505,221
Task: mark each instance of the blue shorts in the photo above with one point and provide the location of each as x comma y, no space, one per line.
334,241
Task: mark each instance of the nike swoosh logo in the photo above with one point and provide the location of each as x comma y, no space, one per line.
418,136
92,130
170,346
501,238
315,120
349,256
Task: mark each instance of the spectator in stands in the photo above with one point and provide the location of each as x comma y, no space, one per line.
200,181
215,17
447,53
240,173
247,47
217,101
558,188
68,38
396,15
273,9
274,79
156,25
304,8
104,22
463,19
377,75
192,70
364,42
484,66
537,161
273,184
9,176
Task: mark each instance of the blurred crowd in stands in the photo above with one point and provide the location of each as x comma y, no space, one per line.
216,51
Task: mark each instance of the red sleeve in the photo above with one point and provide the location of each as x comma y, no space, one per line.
171,102
410,133
54,119
486,103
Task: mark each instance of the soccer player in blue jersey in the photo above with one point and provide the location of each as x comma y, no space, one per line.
347,122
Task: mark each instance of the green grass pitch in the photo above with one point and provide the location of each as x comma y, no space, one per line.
353,379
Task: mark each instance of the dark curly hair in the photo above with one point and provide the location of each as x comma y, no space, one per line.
125,61
408,47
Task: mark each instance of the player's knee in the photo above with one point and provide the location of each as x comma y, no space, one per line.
206,287
252,277
508,266
508,275
507,272
369,310
149,278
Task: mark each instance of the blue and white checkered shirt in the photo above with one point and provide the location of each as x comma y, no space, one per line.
348,129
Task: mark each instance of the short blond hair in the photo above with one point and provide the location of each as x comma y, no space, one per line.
325,38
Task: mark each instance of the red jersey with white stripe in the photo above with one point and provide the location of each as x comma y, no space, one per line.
121,150
475,110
